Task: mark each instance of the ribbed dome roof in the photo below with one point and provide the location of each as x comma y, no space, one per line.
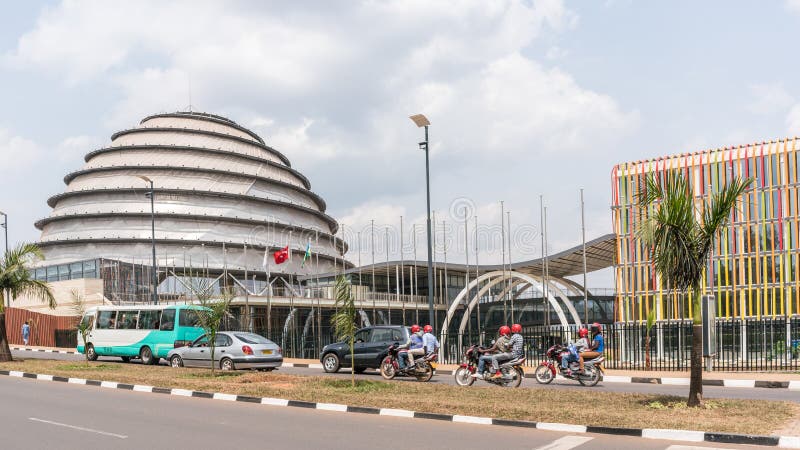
216,183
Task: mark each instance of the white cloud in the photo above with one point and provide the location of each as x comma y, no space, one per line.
793,5
770,98
73,148
17,152
793,121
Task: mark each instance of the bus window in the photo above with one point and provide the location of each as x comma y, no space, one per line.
189,318
167,320
127,320
148,319
87,321
105,320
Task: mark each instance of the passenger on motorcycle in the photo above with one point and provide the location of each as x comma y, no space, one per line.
597,346
579,346
429,341
514,350
414,346
500,346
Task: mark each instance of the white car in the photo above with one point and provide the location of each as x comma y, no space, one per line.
233,350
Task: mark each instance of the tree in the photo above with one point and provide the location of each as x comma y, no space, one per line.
16,280
84,326
679,232
344,320
210,318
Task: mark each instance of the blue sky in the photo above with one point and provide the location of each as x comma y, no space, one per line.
526,98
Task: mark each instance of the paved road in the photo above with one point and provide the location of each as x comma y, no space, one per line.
47,415
708,391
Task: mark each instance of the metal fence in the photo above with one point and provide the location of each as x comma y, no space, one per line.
742,345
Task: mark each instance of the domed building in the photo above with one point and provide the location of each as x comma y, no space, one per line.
222,199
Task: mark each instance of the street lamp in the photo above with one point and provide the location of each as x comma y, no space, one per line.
152,196
422,121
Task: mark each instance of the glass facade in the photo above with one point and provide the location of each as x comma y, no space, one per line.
754,269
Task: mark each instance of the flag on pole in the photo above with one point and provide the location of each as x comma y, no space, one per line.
307,254
281,255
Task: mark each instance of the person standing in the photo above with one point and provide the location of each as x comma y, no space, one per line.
26,333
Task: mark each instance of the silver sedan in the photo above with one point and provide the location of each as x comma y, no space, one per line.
233,350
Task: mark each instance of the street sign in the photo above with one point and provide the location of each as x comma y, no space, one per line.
709,317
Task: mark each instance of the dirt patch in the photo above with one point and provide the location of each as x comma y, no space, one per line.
586,406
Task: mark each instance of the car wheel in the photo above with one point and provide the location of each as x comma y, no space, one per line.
360,369
125,359
147,356
226,364
176,361
90,353
330,363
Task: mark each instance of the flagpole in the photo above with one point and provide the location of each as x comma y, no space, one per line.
444,248
402,278
477,286
466,273
546,267
246,292
433,262
585,287
415,286
372,247
510,294
544,287
360,289
505,277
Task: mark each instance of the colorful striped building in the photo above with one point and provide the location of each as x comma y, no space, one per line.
754,271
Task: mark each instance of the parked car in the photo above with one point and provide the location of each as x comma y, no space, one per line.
233,350
370,347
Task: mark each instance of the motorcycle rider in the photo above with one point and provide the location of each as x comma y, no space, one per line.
429,341
500,346
596,347
514,350
580,345
414,346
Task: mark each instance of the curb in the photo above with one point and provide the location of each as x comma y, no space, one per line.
27,349
646,433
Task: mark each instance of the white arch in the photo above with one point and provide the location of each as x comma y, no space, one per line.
289,318
499,276
564,298
364,318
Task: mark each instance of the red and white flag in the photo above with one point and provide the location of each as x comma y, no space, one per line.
281,255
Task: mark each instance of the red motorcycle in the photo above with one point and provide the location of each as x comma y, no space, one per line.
422,369
546,371
511,370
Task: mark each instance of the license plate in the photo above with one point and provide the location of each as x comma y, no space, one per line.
266,352
433,365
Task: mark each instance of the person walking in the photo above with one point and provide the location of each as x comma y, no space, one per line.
26,333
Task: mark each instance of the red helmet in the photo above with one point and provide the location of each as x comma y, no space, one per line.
428,328
583,332
415,328
505,331
597,328
516,328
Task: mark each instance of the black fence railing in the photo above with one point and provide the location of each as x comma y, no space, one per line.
746,345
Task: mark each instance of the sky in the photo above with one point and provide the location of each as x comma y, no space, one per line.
525,99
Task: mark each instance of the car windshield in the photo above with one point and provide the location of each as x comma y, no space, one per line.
252,338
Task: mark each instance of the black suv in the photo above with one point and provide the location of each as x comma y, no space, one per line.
370,347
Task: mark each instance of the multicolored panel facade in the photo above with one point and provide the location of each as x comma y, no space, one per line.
754,270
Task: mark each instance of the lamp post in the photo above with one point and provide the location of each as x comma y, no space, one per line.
5,227
152,196
422,121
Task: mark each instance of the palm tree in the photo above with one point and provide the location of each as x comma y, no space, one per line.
16,280
344,320
680,235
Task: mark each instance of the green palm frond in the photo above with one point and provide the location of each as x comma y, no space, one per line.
15,274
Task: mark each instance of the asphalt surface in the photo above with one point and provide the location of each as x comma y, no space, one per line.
47,415
708,391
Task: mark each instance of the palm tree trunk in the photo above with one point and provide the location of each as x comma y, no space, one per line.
5,351
647,352
696,374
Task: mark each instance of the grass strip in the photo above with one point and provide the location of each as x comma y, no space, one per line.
581,406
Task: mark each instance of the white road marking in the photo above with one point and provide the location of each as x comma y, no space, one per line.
566,443
89,430
789,442
673,435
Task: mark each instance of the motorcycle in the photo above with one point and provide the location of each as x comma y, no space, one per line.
422,369
546,371
511,370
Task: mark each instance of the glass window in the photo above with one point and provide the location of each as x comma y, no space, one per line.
63,272
87,321
90,269
382,335
222,340
106,320
252,338
127,320
202,341
188,318
167,320
148,319
397,336
52,273
75,271
362,336
41,274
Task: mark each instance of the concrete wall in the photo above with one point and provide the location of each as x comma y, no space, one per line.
89,289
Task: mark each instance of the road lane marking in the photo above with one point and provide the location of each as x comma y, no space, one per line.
472,419
396,412
565,427
566,443
674,435
89,430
